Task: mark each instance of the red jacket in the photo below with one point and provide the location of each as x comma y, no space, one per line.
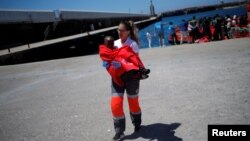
128,59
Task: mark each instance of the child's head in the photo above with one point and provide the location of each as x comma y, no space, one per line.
109,42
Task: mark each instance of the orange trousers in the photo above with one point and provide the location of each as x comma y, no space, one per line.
131,87
117,106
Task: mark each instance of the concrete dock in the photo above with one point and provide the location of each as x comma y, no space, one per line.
190,87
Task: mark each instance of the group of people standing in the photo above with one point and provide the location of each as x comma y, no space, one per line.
195,30
216,28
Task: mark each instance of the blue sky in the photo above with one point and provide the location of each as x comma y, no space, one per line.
133,6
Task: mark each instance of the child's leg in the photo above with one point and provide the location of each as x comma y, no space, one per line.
135,59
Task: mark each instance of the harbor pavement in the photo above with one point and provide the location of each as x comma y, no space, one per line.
190,87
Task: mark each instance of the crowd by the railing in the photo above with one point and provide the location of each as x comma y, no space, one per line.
209,29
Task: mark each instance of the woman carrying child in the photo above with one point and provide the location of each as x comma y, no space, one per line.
127,38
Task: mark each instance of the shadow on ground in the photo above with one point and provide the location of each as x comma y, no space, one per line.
156,132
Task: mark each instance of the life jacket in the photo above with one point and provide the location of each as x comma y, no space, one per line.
125,55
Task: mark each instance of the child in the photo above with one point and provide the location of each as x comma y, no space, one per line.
120,61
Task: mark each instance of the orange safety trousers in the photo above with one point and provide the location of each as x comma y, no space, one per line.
131,87
117,105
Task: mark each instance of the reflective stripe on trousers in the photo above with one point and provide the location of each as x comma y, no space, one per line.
132,89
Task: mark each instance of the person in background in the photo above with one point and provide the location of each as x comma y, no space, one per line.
159,30
218,35
243,21
234,21
172,33
228,27
149,38
207,30
189,32
183,28
193,25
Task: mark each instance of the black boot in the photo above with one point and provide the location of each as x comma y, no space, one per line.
136,120
144,71
119,125
118,136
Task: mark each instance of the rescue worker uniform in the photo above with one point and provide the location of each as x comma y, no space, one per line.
131,86
132,89
122,80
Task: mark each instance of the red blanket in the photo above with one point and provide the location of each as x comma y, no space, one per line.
128,59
